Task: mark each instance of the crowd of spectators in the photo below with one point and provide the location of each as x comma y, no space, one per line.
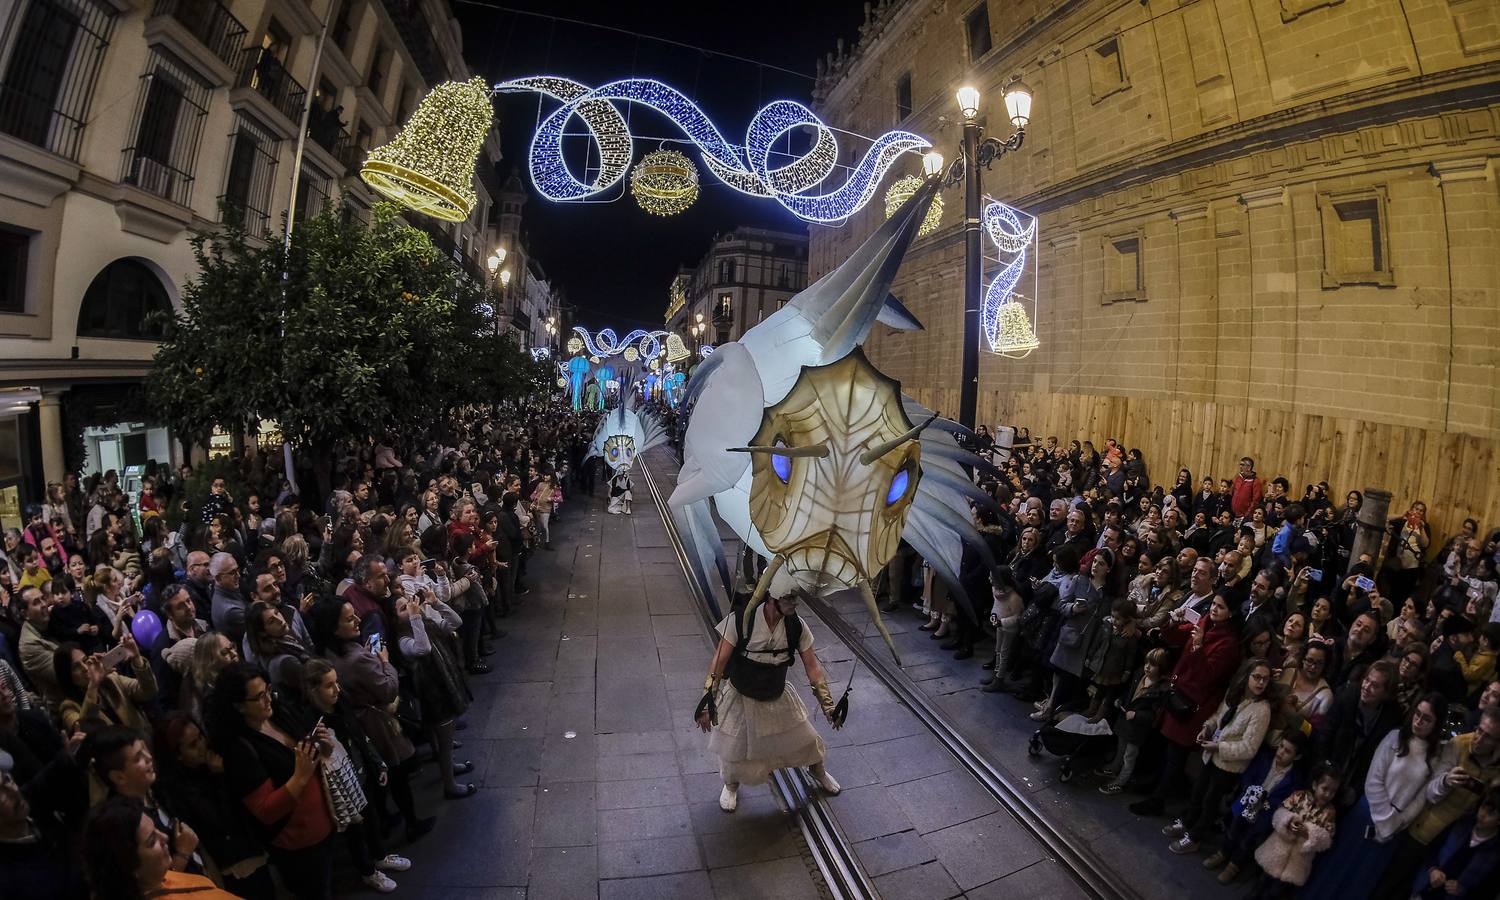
1331,721
225,696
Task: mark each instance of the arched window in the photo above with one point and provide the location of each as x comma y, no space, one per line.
118,300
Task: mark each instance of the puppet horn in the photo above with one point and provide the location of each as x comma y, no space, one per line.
882,449
816,451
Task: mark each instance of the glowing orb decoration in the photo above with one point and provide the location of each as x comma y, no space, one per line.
706,351
429,165
1015,337
562,382
1010,235
575,344
595,360
901,190
746,168
631,354
656,365
664,183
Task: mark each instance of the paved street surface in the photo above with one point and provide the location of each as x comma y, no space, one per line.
595,782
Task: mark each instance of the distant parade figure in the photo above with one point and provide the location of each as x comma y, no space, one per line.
757,722
619,493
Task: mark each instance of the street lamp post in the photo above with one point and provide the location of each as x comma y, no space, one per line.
977,151
496,260
698,329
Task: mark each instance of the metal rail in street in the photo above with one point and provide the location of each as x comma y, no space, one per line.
1085,867
832,851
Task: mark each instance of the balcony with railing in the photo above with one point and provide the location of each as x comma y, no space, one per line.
327,131
204,32
264,74
48,81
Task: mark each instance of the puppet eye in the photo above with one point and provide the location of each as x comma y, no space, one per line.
899,483
781,465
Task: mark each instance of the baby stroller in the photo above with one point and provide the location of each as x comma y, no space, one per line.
1078,741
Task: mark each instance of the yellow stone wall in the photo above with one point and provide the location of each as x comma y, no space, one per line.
1249,147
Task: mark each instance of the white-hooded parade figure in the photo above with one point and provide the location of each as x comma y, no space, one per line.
821,467
624,433
757,721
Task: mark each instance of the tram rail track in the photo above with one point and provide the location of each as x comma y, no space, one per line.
832,852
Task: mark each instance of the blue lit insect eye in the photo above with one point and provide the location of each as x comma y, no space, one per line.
781,465
898,487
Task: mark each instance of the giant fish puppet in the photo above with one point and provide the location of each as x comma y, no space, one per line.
812,456
624,433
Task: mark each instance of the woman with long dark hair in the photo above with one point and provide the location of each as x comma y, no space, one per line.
1230,738
1394,795
275,775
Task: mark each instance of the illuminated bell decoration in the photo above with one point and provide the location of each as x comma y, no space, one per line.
676,349
429,166
575,344
631,354
664,182
1015,337
901,190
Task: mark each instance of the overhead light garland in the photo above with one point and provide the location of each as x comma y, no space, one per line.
746,169
429,165
664,182
901,190
604,342
998,313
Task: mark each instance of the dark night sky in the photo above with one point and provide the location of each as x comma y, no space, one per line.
615,260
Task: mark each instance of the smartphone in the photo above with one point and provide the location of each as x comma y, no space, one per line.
427,563
1315,574
114,656
375,642
313,733
328,521
1364,583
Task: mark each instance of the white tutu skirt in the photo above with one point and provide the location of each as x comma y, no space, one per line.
756,737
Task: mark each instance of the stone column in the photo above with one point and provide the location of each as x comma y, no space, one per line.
1472,215
49,422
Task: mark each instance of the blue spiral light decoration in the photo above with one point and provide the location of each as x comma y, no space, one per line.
1004,226
746,169
605,343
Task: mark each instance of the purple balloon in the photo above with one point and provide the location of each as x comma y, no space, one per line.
146,627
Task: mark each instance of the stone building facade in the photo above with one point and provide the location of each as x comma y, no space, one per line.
1265,227
747,274
125,125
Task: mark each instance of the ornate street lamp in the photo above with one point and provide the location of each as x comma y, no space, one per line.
983,151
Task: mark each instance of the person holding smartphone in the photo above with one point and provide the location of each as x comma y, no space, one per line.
274,771
93,692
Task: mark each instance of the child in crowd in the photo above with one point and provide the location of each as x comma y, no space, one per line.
1271,778
1469,854
1112,655
1302,827
1136,720
1479,666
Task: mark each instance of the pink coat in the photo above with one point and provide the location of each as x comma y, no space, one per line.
1288,857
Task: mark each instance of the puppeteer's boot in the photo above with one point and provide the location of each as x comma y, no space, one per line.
825,781
729,798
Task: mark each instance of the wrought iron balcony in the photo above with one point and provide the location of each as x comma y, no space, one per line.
262,72
211,23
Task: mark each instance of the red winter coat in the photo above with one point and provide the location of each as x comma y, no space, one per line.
1245,494
1203,675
